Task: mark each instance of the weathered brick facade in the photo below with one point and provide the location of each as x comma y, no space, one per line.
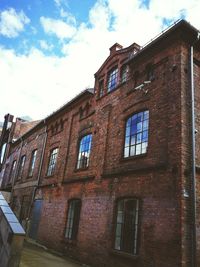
157,79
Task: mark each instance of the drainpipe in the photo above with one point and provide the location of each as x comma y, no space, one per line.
193,180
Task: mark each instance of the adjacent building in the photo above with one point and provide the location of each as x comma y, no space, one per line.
112,177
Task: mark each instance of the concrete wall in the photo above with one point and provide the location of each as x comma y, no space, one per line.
11,236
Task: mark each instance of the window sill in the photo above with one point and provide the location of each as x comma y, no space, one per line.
107,93
124,254
49,176
81,169
69,241
133,157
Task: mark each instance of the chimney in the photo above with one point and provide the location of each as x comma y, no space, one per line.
114,48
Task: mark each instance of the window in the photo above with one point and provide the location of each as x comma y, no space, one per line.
21,166
124,74
84,152
73,219
3,150
32,163
126,226
112,79
12,172
149,72
52,161
25,206
136,138
101,88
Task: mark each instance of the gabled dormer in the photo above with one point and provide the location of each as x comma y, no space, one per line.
114,71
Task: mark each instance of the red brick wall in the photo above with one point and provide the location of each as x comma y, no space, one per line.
154,178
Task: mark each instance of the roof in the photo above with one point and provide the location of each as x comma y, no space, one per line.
88,91
178,26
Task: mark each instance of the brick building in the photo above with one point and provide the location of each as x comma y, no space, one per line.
112,177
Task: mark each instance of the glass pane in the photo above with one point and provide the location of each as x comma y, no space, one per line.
126,152
138,149
117,243
132,151
127,141
118,230
146,114
144,148
133,139
139,117
145,125
120,217
144,136
133,129
128,131
139,138
139,127
128,122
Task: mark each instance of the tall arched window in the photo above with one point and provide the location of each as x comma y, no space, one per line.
84,151
136,137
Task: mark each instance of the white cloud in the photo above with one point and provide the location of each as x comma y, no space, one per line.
58,27
12,23
36,84
44,45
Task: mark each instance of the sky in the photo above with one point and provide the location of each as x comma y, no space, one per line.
50,49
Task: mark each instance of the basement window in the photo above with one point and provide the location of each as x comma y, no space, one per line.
126,226
73,217
52,161
136,136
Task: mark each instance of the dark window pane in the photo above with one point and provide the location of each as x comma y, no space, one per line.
126,230
73,219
